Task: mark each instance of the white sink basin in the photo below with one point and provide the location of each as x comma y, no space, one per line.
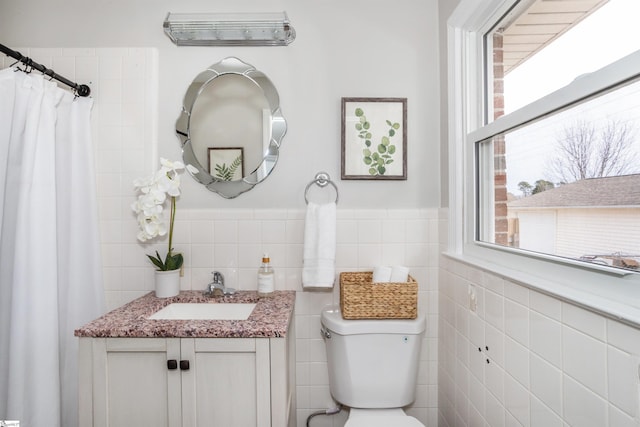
204,311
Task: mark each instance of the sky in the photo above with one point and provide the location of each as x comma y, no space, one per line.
583,49
609,34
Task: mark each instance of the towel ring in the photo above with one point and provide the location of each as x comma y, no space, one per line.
321,180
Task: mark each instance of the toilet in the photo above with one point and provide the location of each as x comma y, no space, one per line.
373,367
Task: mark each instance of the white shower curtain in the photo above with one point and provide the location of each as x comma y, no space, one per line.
50,272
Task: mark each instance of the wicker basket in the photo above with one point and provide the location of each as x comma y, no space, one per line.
362,299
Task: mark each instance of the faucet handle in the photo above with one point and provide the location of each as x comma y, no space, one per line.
218,277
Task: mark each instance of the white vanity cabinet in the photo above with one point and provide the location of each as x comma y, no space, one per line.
189,382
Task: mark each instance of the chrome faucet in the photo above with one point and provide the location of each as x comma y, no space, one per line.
217,288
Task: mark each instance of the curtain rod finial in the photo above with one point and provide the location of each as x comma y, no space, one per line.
83,90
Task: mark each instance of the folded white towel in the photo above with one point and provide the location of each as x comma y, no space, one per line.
319,257
381,274
399,274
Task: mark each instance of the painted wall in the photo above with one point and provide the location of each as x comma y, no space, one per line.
445,8
359,48
353,49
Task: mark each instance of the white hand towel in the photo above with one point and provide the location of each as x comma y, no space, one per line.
319,257
399,274
381,274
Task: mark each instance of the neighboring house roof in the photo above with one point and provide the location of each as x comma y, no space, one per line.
618,191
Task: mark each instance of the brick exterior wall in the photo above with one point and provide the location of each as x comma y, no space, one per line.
499,160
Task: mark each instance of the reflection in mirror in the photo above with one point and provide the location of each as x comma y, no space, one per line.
231,127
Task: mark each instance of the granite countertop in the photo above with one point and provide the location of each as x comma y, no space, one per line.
269,319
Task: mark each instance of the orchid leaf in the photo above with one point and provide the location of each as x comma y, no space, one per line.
157,261
174,262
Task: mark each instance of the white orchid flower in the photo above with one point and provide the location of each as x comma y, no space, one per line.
171,165
149,208
154,228
143,184
157,195
169,185
154,211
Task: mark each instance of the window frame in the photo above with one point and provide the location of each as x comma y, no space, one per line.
609,291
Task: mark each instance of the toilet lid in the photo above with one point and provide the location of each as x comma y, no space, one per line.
375,421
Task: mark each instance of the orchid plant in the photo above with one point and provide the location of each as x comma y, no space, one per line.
149,208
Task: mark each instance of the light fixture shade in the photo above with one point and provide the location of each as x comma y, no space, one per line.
229,29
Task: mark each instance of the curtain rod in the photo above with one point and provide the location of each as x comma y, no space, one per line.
80,90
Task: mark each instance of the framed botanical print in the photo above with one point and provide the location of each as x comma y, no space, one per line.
226,164
374,138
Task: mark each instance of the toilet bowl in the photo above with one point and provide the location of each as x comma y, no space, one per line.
373,367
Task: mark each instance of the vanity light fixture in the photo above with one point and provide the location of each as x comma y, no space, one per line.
229,29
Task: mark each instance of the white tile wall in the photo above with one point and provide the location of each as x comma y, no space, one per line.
232,240
554,364
235,243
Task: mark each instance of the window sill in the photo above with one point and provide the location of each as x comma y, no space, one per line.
612,296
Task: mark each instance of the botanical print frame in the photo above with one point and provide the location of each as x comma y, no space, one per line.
374,138
226,164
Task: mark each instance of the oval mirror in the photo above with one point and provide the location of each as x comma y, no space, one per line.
230,127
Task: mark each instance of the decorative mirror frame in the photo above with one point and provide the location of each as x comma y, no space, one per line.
231,189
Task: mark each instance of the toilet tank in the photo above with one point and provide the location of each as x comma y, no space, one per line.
372,363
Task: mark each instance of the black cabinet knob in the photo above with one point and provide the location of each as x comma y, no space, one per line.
184,365
172,364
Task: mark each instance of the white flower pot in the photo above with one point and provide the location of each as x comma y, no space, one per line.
167,283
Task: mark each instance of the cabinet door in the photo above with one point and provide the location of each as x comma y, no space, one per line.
133,385
228,383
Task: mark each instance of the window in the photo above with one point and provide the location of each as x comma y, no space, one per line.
561,178
575,236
